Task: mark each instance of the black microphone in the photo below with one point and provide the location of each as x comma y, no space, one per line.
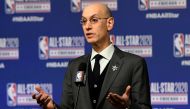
80,78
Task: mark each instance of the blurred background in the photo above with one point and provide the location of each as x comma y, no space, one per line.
39,37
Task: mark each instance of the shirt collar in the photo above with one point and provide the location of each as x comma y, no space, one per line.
106,53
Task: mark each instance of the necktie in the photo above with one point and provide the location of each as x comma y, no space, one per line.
96,69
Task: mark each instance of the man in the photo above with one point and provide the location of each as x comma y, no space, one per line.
122,81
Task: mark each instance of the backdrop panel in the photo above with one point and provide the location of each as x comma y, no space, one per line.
39,37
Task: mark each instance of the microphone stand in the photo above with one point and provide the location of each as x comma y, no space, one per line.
78,90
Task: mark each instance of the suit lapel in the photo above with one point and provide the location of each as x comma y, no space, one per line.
113,70
85,90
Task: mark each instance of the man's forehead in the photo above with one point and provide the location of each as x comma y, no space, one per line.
95,9
96,5
91,16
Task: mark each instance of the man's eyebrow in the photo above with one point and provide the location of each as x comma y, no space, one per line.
94,15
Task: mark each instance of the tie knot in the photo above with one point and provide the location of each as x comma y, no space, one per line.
98,57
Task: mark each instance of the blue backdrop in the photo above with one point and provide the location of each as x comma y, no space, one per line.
39,37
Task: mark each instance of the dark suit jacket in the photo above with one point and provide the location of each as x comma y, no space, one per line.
132,70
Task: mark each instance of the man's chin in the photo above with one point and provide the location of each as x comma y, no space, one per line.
91,41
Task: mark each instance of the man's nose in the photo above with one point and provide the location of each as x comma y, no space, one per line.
88,25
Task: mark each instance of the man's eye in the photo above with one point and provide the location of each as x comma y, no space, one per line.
94,20
84,21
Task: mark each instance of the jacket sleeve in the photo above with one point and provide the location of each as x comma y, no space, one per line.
67,94
140,93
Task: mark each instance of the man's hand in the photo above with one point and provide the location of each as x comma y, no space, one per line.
120,101
43,99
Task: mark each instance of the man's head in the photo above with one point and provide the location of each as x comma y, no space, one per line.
97,21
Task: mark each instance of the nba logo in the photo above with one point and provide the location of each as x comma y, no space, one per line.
43,47
143,5
75,5
79,77
10,6
11,94
179,49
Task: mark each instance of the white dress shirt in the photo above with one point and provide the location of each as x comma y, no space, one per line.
107,55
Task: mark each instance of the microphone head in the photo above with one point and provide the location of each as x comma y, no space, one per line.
82,67
80,78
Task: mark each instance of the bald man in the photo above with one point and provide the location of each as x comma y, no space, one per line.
115,79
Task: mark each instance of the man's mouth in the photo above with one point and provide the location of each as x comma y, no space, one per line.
89,34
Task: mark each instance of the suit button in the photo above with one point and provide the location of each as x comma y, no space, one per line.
95,86
94,101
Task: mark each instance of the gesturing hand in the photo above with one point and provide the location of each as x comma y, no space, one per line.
120,101
42,98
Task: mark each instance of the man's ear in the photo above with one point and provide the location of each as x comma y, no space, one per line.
110,23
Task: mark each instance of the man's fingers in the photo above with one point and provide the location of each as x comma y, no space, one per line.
128,90
39,89
120,101
44,100
47,100
38,96
33,95
115,100
44,97
110,99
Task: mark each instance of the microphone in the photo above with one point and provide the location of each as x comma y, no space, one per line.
80,78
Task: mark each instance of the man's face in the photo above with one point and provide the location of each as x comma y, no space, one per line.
95,25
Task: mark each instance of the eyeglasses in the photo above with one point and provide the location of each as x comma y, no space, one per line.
92,20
